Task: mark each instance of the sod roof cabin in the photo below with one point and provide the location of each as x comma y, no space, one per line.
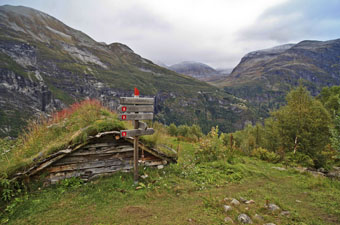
81,141
102,154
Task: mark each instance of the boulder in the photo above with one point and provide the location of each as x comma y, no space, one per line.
235,202
244,218
227,208
273,207
250,201
228,220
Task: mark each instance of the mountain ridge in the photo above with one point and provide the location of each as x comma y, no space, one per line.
46,65
264,77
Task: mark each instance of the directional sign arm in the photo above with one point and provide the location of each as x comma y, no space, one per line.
136,132
136,101
135,108
139,116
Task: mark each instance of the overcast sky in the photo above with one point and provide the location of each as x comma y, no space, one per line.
215,32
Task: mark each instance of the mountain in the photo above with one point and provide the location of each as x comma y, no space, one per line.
46,65
264,77
198,70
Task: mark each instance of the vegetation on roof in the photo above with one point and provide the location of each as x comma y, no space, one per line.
68,127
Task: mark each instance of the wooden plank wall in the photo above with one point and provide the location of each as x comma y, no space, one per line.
102,156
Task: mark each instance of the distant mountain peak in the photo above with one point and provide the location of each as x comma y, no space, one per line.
273,50
194,69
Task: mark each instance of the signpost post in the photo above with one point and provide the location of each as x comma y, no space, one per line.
136,108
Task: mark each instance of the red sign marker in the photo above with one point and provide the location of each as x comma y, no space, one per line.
124,109
136,92
123,134
123,117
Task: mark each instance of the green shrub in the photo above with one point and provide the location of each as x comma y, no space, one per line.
265,155
299,159
211,147
183,130
172,130
10,189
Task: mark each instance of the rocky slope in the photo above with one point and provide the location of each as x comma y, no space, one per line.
264,77
45,65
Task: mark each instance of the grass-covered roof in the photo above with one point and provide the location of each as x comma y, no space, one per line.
65,128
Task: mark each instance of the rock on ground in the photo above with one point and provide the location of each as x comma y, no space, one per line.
243,200
227,208
244,218
235,202
228,220
273,207
285,213
250,201
258,217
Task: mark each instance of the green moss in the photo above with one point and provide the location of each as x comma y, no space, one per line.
7,63
60,94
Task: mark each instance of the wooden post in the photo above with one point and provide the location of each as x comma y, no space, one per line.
135,156
135,147
129,110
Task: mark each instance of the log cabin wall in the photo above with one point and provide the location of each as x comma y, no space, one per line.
100,156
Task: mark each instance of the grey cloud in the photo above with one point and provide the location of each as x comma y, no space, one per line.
296,20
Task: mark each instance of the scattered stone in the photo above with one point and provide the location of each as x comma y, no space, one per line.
227,208
235,202
335,174
269,224
228,220
285,213
298,201
227,199
144,176
250,201
160,167
244,218
279,168
273,207
246,208
321,170
317,174
258,217
243,200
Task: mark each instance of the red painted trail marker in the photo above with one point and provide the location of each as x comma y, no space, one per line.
136,108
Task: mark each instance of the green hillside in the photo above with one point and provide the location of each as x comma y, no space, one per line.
46,65
255,166
179,195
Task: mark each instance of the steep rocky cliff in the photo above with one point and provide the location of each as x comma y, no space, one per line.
264,77
45,65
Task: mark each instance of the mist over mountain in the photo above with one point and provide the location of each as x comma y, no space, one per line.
199,70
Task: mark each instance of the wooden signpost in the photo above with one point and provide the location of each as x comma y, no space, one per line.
135,108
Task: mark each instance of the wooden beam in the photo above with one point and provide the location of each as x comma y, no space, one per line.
135,108
137,101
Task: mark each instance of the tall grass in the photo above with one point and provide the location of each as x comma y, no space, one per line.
69,126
